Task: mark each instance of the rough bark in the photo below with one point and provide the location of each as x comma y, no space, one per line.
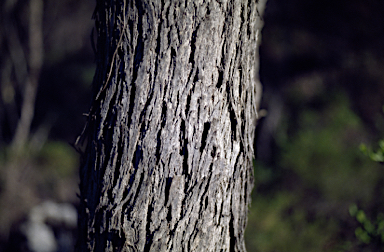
169,139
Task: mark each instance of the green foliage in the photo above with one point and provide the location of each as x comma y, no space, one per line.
47,172
377,156
368,231
319,174
324,155
275,225
58,157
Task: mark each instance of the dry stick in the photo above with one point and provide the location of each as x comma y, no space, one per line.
81,136
35,62
114,54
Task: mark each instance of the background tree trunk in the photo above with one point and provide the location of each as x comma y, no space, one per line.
168,159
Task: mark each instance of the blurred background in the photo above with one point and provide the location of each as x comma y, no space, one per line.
46,69
322,69
317,188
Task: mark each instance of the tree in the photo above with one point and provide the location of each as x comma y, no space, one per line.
167,162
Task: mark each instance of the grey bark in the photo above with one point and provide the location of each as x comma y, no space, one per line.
169,139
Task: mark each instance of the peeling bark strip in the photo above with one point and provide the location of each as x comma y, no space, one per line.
168,161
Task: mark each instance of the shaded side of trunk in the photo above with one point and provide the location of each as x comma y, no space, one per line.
168,160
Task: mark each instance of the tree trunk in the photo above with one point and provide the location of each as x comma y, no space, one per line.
169,139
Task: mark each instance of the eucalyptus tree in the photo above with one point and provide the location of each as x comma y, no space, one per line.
168,146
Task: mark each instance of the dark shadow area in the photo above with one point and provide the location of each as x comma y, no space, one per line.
321,69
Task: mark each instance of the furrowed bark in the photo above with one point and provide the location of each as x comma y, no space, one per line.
168,159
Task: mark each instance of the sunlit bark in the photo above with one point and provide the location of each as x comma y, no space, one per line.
168,159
